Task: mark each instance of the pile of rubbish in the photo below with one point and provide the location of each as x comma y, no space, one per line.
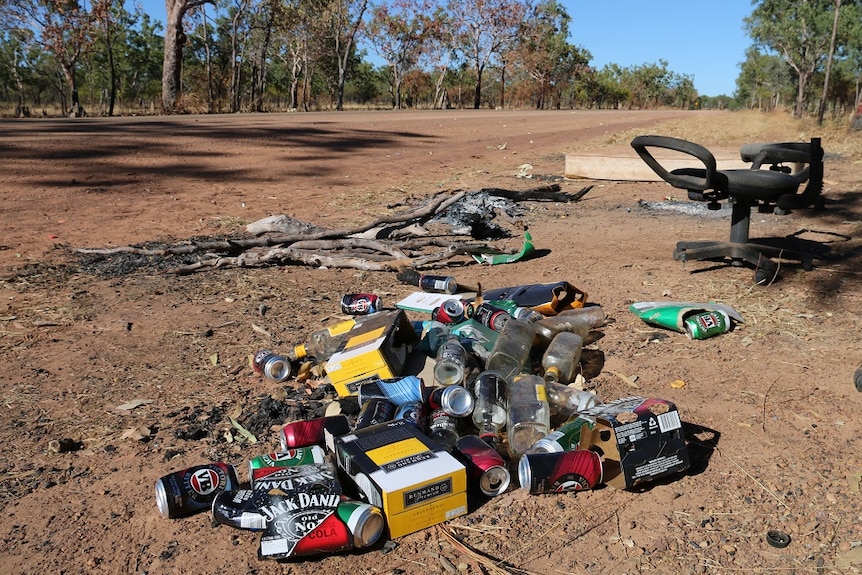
460,390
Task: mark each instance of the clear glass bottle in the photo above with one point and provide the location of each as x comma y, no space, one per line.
560,360
324,342
529,417
594,314
547,328
443,428
431,334
489,411
566,401
511,351
451,362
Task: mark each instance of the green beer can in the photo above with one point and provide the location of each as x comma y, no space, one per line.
289,458
706,324
364,521
564,438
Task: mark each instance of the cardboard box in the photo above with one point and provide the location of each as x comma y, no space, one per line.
411,478
640,440
377,346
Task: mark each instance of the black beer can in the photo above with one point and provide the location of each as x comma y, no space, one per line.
415,413
192,490
375,410
490,316
360,304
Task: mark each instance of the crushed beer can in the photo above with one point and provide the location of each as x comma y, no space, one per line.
192,490
289,458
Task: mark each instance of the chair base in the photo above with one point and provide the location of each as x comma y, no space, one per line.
756,255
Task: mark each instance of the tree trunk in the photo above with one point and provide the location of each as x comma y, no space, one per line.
477,96
822,109
172,64
112,97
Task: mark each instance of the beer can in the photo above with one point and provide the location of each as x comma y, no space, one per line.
258,359
453,399
360,304
374,411
438,284
238,509
485,466
415,413
490,316
565,438
192,490
289,458
706,324
558,472
272,366
312,431
398,390
451,311
364,521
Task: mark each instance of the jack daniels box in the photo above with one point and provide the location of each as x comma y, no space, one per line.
300,511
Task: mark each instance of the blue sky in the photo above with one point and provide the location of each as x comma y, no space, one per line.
704,40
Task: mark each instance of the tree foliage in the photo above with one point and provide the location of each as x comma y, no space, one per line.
263,55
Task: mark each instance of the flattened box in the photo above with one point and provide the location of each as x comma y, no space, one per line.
377,346
640,440
411,478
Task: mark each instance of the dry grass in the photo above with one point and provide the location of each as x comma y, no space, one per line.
736,128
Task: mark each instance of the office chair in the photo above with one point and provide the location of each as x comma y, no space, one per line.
774,189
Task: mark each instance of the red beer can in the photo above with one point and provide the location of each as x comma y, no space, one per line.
560,471
312,431
486,467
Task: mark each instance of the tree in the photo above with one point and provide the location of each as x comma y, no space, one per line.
397,32
762,81
798,30
65,29
345,20
175,39
480,28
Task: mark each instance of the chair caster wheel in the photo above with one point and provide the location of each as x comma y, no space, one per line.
764,277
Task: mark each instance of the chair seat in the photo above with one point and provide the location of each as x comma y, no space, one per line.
766,185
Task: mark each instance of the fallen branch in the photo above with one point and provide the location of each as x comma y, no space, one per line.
550,192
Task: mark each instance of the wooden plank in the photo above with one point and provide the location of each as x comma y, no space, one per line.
625,165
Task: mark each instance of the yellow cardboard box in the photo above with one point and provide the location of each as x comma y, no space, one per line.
399,469
377,346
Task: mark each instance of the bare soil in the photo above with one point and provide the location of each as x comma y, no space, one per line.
771,412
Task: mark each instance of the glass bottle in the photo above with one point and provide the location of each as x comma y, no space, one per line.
324,342
566,401
547,328
451,361
560,360
511,351
529,417
594,314
489,411
431,334
443,428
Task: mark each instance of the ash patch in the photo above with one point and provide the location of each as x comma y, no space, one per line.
473,215
296,406
698,209
123,263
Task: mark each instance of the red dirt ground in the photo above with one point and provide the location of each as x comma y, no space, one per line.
773,418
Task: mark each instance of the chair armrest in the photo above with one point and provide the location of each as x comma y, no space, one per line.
778,153
683,181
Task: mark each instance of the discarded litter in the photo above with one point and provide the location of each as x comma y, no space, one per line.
696,320
458,400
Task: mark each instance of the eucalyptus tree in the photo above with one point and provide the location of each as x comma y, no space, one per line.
799,31
480,29
64,28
